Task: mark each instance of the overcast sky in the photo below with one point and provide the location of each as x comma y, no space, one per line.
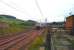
53,10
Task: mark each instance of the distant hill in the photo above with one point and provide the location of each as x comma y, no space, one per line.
9,25
7,16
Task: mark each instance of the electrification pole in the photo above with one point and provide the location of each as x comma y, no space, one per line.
48,37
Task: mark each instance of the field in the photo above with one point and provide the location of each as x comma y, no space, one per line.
12,26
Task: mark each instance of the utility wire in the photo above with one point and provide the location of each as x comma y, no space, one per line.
37,4
13,7
24,11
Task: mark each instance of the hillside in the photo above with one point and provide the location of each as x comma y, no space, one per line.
9,25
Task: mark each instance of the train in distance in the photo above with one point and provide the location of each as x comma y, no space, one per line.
39,26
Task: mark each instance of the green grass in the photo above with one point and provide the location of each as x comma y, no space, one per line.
38,42
71,42
14,26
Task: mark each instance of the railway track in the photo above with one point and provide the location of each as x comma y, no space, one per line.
15,42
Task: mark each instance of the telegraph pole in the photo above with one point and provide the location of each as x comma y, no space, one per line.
48,37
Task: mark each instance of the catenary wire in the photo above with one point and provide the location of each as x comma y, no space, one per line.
14,7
